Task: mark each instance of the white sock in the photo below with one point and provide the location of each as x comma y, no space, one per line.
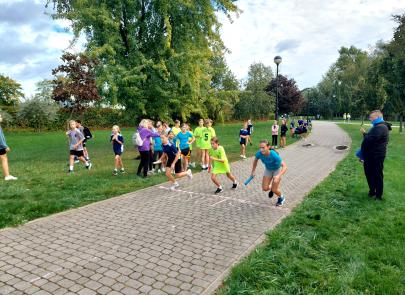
87,164
71,168
220,187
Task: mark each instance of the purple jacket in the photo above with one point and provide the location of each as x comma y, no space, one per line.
146,134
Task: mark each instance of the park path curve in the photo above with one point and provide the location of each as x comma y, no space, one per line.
156,241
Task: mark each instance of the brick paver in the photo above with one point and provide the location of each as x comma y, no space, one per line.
156,241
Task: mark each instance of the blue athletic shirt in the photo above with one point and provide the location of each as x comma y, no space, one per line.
157,146
243,132
272,162
170,150
118,148
183,138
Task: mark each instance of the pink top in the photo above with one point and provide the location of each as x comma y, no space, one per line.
274,130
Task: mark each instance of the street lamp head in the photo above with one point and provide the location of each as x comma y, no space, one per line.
277,60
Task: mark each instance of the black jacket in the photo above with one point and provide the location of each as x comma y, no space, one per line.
374,145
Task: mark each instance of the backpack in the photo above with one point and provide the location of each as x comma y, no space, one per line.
136,139
86,132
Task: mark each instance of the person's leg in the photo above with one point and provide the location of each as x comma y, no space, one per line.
85,153
159,155
215,180
4,163
143,164
150,157
379,178
71,162
206,158
203,158
155,158
169,175
266,183
276,139
117,162
243,149
275,188
146,164
368,171
231,177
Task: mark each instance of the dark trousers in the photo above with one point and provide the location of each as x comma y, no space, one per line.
373,168
274,140
150,164
144,163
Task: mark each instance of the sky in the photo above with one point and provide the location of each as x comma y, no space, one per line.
306,34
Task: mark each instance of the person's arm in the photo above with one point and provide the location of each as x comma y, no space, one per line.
192,139
178,155
371,137
117,139
254,166
81,139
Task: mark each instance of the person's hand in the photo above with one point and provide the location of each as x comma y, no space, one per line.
211,158
75,146
8,149
172,167
67,132
276,178
362,130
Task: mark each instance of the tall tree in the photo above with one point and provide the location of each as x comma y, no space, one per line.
289,96
154,53
74,83
10,91
254,101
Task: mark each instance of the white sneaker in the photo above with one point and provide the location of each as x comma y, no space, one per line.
243,156
193,164
88,167
10,177
189,174
174,186
157,162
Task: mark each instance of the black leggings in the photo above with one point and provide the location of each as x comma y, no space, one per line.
156,156
144,163
373,168
274,140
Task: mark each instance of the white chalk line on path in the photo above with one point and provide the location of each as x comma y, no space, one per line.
224,199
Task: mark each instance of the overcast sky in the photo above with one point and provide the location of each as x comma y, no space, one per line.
307,34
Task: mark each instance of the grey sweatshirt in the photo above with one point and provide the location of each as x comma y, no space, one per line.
74,137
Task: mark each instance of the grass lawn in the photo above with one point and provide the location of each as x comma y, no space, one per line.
39,160
338,241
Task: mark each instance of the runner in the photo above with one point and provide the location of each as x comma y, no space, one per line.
199,140
292,128
183,140
243,138
4,149
87,136
117,141
275,168
157,150
220,165
207,134
76,139
176,128
250,131
173,162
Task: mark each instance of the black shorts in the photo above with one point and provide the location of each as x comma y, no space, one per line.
242,141
117,153
283,135
3,152
77,153
177,166
186,152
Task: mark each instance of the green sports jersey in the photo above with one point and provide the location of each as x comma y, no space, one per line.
198,136
207,134
219,167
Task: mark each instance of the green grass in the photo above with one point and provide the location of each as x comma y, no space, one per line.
338,241
39,160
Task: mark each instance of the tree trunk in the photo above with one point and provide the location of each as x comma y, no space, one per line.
401,117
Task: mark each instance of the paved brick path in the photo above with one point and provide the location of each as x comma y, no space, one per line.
156,241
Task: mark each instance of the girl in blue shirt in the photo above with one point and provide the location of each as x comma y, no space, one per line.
185,138
275,167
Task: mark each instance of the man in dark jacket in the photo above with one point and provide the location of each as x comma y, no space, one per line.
374,149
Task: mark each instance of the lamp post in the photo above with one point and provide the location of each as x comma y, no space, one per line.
277,61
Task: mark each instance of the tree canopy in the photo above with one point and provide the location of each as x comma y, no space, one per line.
10,91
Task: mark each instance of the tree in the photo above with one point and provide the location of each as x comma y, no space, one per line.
44,90
154,54
74,83
289,96
255,102
10,91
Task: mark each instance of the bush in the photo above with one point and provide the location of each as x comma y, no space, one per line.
37,114
7,118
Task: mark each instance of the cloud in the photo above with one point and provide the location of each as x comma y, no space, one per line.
307,34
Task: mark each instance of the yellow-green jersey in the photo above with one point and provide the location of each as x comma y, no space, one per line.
217,166
198,136
207,134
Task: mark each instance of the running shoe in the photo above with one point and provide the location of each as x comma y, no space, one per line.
219,190
88,167
10,177
271,194
280,201
115,173
70,171
157,162
174,186
234,185
189,174
123,171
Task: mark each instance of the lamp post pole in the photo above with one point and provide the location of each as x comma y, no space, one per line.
277,61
